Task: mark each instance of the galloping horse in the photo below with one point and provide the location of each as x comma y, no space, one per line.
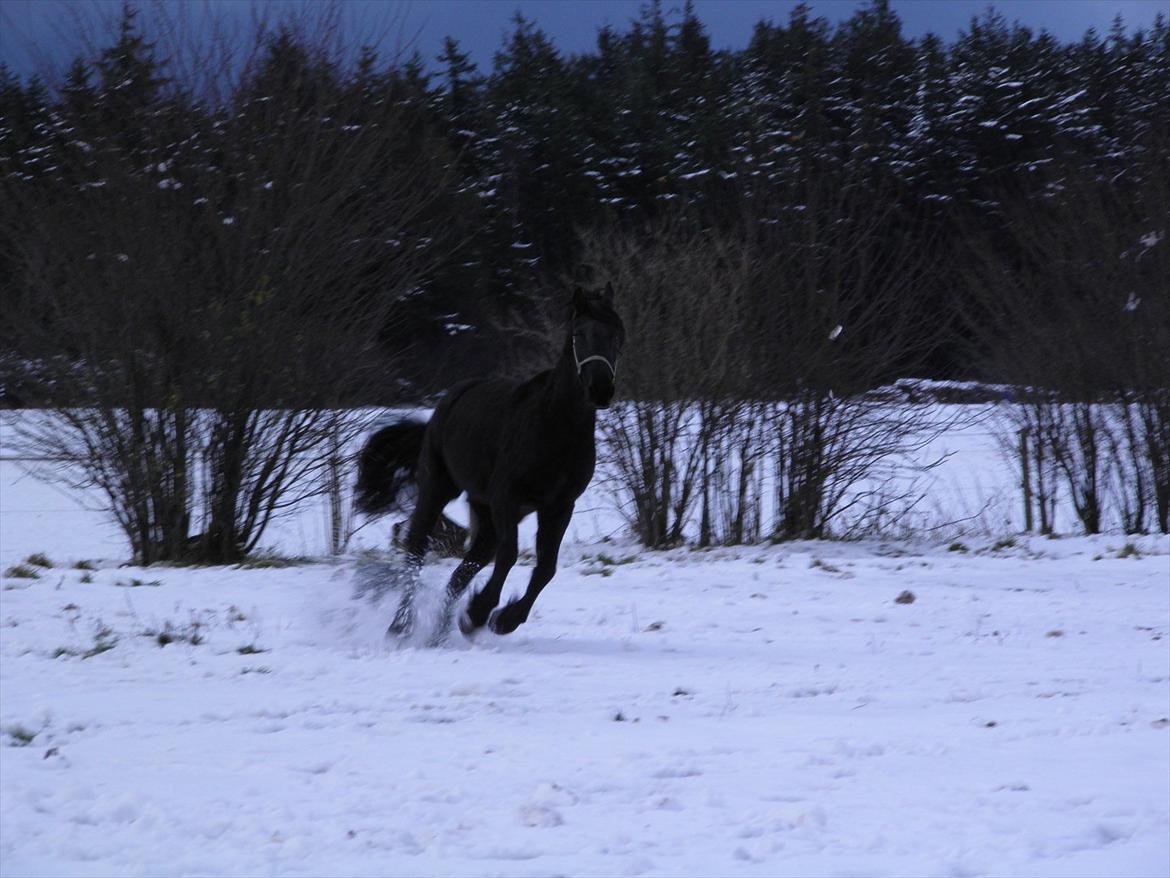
515,448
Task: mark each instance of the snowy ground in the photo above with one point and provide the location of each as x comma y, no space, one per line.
762,712
758,712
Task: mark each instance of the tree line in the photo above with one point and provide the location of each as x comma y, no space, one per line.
946,139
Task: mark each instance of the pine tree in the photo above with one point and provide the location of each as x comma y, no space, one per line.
77,93
793,75
536,162
930,169
461,82
24,117
698,125
1147,126
1006,106
877,104
130,90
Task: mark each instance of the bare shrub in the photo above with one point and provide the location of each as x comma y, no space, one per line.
840,308
204,285
1077,313
681,293
756,357
735,444
1023,430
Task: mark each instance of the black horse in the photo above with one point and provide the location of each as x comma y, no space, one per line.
515,448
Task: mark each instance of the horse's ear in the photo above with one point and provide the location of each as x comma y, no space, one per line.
608,292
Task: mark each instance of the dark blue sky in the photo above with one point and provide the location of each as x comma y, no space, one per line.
480,24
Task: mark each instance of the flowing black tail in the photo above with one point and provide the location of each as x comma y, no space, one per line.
387,465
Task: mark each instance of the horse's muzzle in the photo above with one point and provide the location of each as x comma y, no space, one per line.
599,386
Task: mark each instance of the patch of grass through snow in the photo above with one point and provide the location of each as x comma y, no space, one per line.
138,583
18,735
264,562
191,633
103,641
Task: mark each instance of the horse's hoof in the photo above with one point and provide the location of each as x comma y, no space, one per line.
503,622
466,626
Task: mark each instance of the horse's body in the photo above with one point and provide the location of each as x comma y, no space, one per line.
514,448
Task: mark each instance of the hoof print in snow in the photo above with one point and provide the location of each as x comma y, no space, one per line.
675,772
540,816
654,626
1056,632
742,853
906,597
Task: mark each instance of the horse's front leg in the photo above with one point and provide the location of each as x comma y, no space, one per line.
550,530
505,518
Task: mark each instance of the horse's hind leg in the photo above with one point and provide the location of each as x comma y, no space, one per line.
550,530
483,546
435,491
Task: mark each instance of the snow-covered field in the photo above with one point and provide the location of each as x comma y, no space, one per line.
753,712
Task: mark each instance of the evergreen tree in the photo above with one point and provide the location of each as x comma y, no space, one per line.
789,91
931,170
130,93
24,121
699,123
537,161
461,80
878,101
78,95
1147,117
1006,104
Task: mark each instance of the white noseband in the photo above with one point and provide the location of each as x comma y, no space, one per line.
580,363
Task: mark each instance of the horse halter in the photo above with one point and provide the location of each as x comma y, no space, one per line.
590,359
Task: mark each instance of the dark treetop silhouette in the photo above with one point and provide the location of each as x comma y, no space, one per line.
515,448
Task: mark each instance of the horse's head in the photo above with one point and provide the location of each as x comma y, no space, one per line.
596,339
